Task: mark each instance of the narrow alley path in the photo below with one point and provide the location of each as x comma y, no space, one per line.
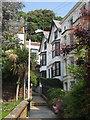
40,109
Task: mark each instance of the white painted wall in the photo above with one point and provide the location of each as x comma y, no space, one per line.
35,49
21,37
66,22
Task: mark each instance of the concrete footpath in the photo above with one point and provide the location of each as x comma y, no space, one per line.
40,109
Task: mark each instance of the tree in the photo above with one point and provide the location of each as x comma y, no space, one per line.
41,19
18,64
10,24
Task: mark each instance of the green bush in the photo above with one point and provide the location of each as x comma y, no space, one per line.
52,82
54,94
75,104
33,79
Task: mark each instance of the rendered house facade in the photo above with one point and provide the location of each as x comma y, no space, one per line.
43,54
69,21
56,65
54,60
34,49
51,60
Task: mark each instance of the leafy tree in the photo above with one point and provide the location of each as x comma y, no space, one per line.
22,14
10,24
18,64
41,19
33,78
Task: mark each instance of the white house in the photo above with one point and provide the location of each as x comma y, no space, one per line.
43,54
50,57
34,49
70,20
54,58
34,45
21,35
53,63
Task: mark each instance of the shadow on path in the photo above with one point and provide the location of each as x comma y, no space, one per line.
40,109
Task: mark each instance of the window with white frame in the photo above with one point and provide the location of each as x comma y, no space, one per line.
56,69
43,59
55,49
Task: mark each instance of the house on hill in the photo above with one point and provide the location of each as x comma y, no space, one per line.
43,54
72,19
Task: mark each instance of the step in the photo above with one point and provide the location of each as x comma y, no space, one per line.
39,104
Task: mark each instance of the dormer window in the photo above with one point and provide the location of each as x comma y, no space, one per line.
55,35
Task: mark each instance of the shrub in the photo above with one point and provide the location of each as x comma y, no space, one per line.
54,94
33,79
52,82
75,104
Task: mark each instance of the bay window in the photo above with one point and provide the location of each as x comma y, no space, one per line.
55,49
56,69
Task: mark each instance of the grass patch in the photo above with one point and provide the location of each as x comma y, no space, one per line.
7,107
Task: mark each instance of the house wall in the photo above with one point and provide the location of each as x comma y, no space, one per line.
74,13
35,49
21,37
43,68
49,53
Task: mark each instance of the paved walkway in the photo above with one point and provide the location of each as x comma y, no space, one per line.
39,108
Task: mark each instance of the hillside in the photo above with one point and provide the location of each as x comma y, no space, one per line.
41,19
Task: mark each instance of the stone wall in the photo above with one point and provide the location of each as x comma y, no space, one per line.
19,112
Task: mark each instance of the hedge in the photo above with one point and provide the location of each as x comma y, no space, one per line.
51,82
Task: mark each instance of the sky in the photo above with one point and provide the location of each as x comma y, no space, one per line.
59,8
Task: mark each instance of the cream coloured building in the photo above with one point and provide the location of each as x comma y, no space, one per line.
70,20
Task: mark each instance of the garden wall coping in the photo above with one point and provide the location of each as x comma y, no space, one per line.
17,111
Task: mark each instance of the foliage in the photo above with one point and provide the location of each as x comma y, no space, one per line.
7,107
33,78
19,66
38,19
77,72
52,82
53,95
76,103
14,65
33,60
10,24
22,14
